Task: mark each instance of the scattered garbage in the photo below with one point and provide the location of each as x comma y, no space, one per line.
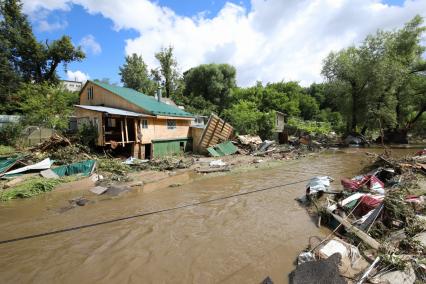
379,226
319,183
217,164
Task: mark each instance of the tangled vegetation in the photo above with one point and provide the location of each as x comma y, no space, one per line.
29,188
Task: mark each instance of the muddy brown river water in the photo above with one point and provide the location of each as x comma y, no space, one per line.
237,240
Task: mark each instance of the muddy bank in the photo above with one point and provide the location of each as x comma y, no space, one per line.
238,240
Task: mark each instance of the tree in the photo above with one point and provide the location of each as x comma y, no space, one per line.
168,69
212,82
47,105
134,74
381,81
30,60
244,116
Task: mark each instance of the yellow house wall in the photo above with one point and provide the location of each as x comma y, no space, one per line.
157,129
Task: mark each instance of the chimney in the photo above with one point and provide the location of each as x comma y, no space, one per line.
159,94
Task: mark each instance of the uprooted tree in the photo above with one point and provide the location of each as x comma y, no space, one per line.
382,82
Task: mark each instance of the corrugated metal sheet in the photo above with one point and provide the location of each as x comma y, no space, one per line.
222,149
113,111
146,102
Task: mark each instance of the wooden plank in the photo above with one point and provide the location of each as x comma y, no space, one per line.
122,132
360,234
126,129
217,124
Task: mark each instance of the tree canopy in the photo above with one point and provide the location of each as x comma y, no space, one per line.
23,58
134,74
168,70
381,82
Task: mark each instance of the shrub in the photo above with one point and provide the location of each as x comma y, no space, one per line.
87,134
10,133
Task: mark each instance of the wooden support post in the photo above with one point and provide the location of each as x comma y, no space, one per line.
125,127
122,132
135,126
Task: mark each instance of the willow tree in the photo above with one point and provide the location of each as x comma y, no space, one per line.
381,82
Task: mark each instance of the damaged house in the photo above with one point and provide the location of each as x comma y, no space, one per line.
145,126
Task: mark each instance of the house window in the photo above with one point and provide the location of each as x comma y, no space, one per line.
90,93
144,123
111,122
171,124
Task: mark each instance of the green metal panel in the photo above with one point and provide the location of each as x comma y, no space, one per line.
146,102
166,148
8,162
213,152
84,168
222,149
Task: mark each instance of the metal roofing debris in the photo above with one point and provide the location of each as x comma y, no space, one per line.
7,163
85,168
222,149
45,164
113,111
148,103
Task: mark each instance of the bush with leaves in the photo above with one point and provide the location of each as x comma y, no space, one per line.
11,133
87,134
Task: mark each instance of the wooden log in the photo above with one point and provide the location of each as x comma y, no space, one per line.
360,234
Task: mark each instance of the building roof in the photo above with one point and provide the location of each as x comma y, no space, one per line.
148,103
113,111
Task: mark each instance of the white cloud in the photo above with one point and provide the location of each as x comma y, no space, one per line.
274,40
89,44
77,76
45,26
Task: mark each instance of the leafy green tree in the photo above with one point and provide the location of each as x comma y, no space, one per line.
30,60
212,82
134,74
244,117
380,82
168,70
47,105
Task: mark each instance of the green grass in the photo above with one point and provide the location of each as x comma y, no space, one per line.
33,186
6,150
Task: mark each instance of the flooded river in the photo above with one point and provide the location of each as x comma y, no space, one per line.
237,240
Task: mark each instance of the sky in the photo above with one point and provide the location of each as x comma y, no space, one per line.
266,40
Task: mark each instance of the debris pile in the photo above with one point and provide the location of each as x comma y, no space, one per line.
378,221
254,146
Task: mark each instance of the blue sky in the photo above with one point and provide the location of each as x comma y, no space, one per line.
214,31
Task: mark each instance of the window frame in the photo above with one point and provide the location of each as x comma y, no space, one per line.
171,124
144,123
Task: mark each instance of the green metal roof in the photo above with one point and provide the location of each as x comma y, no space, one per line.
148,103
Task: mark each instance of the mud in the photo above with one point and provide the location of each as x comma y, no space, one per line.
237,240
